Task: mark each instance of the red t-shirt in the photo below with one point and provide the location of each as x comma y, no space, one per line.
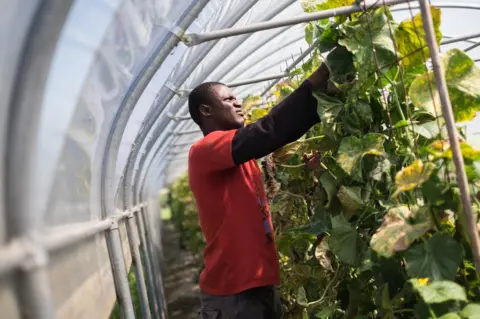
234,217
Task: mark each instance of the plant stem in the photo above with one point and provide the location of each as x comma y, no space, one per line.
292,166
327,288
310,139
292,194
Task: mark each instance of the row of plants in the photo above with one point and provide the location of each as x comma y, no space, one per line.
366,206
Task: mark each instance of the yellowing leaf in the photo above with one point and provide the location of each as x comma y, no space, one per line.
463,82
322,256
258,114
352,150
317,5
250,102
441,149
350,198
397,233
410,39
412,176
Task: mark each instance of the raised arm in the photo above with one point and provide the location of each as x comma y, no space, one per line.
285,123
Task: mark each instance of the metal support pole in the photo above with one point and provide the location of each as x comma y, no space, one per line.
119,271
150,259
452,132
25,221
197,38
137,263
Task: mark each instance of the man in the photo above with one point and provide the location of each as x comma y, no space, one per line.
241,261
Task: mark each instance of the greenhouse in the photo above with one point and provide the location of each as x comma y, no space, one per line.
374,208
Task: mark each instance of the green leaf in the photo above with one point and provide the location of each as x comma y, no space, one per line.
328,38
368,34
315,228
397,232
471,311
344,240
451,315
302,297
352,150
410,39
328,183
437,258
340,65
412,176
463,82
328,109
357,117
429,130
439,291
350,198
325,313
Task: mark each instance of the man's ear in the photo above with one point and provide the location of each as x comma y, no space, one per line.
205,110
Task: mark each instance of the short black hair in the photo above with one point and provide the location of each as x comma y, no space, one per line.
202,94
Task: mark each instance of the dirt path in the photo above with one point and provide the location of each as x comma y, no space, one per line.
181,292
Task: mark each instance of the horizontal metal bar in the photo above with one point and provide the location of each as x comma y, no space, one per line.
180,144
18,251
473,46
12,255
197,38
187,132
259,79
177,117
461,38
66,235
450,5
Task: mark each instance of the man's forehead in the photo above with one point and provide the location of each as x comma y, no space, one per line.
222,91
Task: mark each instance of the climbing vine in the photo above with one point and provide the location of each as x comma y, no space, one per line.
366,206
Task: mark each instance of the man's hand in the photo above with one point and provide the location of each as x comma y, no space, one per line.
320,78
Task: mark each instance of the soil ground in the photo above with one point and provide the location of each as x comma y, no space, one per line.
181,291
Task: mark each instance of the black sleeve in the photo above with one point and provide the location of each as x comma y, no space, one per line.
285,123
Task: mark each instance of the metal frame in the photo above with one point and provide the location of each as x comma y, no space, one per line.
108,171
447,113
301,57
157,109
30,244
25,223
197,38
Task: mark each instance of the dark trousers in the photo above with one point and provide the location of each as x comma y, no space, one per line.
255,303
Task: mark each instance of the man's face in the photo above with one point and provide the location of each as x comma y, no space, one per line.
226,111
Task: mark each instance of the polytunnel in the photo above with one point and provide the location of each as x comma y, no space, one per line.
94,124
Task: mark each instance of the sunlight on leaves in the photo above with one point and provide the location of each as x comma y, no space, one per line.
328,109
364,41
352,149
351,199
471,311
441,149
463,82
397,232
439,291
412,176
410,39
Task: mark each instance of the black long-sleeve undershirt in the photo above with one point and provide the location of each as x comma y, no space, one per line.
285,123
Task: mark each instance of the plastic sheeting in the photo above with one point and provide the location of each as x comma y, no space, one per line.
100,58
